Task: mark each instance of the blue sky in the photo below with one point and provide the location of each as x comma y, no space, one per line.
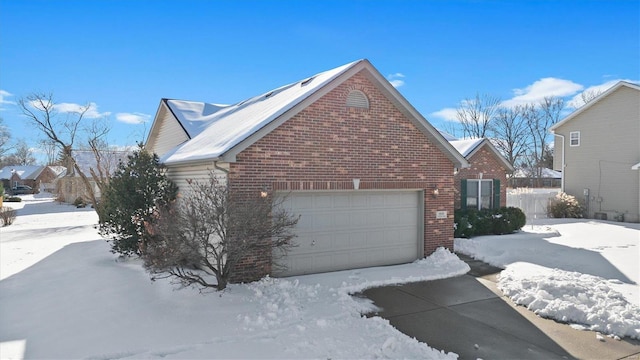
125,56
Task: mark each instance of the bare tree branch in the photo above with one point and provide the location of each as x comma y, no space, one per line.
477,115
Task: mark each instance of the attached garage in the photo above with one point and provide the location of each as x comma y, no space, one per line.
352,229
311,140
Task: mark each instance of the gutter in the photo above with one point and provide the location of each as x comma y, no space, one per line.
563,164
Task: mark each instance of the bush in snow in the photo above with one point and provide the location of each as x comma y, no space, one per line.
131,197
565,206
7,215
472,222
211,230
13,199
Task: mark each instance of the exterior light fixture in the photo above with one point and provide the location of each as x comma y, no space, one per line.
356,184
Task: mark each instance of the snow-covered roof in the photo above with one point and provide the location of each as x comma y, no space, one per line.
636,167
214,129
546,173
447,136
593,102
466,146
110,160
58,170
23,171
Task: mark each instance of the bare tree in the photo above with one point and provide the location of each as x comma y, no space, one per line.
96,133
476,115
539,118
211,230
50,150
510,133
40,110
5,140
589,95
22,155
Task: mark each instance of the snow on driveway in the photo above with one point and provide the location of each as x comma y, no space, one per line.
578,271
64,295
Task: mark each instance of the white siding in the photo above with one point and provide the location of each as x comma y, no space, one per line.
169,135
181,175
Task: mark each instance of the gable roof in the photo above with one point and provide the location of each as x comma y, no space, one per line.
25,172
594,101
220,132
468,147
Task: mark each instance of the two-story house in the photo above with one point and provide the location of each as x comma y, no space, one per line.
597,148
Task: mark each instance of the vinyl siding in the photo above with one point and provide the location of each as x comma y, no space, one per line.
181,175
609,147
169,134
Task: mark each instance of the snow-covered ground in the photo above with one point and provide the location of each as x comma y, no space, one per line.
582,272
64,295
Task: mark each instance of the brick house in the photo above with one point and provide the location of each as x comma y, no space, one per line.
484,183
370,177
31,175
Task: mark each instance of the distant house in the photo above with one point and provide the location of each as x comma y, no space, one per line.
370,177
597,148
535,178
482,185
70,187
35,176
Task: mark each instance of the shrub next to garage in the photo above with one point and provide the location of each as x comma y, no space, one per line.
472,222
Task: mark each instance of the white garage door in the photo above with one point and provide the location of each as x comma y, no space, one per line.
352,229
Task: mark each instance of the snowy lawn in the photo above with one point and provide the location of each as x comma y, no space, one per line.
64,295
578,271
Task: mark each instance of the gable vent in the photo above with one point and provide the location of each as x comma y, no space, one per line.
357,99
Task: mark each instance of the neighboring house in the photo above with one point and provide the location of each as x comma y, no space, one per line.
31,175
482,185
370,177
70,187
597,148
535,178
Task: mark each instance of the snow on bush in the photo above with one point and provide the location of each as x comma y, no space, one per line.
571,297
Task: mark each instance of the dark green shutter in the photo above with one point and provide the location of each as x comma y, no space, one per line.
463,194
496,193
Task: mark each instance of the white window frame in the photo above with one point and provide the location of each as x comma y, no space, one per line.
577,138
478,197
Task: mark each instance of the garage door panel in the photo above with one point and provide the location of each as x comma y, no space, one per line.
344,230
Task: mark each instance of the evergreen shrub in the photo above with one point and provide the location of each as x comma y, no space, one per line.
133,195
472,222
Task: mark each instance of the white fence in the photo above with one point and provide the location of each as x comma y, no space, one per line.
533,202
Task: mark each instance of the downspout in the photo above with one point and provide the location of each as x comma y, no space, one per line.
563,165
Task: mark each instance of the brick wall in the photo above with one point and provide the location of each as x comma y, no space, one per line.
483,161
327,145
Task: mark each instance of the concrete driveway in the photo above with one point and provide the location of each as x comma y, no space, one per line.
468,315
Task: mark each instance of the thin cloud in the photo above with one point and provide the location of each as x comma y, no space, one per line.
133,118
542,88
91,113
448,114
396,79
3,101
